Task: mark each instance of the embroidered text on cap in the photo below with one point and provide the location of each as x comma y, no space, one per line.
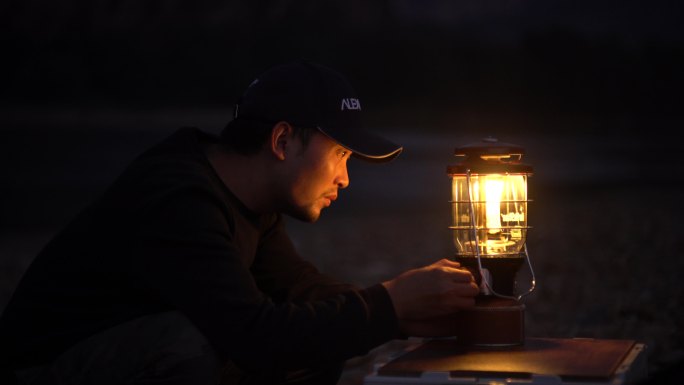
350,104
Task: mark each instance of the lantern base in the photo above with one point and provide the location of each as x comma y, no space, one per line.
492,322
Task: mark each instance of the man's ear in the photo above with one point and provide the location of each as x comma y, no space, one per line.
281,137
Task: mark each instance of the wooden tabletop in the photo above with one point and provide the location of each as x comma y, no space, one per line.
567,358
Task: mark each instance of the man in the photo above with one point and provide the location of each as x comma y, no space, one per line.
182,272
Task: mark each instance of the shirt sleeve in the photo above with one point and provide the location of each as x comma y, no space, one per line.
188,256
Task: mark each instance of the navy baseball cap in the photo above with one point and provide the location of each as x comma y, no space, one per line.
310,95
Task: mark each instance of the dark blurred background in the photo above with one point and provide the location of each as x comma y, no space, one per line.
591,89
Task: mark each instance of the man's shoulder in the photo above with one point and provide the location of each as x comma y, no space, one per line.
175,165
180,154
183,143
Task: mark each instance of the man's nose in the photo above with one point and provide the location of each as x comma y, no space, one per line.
342,180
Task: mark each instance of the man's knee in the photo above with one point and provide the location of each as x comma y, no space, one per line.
165,348
183,355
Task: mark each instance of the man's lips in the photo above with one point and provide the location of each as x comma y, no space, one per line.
331,198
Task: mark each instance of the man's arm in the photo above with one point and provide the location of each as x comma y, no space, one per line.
428,299
282,274
188,256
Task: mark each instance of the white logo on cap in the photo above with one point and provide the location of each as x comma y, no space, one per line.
350,104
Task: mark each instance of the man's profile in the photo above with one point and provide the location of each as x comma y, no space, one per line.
182,272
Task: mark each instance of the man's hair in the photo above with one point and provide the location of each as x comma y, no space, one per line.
248,137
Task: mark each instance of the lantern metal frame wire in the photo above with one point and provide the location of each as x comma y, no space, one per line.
485,277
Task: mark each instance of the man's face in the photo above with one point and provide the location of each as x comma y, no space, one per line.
316,174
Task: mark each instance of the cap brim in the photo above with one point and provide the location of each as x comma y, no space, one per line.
364,145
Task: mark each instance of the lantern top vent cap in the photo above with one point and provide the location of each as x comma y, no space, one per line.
489,156
490,149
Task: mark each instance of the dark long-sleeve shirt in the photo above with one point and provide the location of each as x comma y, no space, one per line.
169,235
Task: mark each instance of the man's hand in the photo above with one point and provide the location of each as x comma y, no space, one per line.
427,296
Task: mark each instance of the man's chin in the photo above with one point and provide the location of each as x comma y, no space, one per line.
309,216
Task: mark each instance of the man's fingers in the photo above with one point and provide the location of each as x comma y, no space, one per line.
469,289
447,262
459,275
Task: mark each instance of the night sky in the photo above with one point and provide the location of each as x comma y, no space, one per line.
78,72
444,60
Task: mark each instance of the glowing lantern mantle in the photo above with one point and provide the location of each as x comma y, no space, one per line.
500,205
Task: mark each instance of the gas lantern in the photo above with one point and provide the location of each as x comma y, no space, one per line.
489,210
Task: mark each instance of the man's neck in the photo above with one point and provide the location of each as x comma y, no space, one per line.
245,176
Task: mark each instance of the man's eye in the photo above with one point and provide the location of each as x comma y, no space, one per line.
342,153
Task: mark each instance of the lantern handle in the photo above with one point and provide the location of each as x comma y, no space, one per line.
485,278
